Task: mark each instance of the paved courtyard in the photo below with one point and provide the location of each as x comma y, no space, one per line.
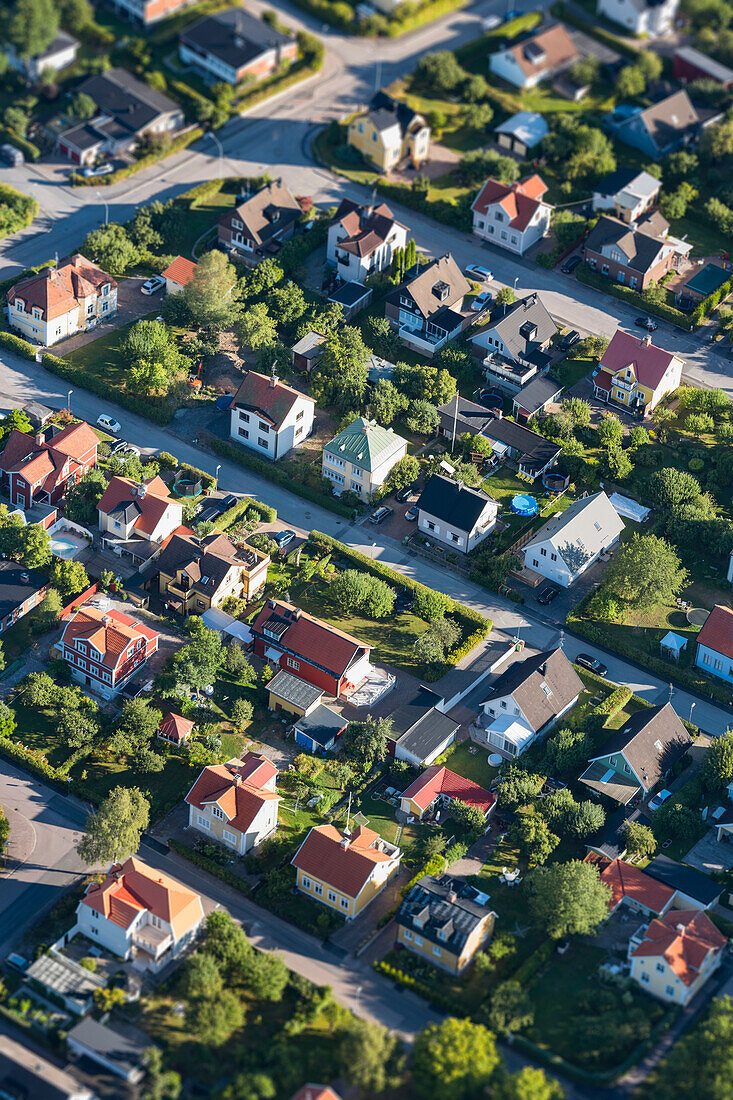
708,855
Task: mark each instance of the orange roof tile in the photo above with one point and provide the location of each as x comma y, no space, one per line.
437,780
175,727
181,271
683,938
316,1092
111,632
152,502
629,882
132,887
238,788
347,867
520,199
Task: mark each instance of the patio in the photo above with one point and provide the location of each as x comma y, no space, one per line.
710,855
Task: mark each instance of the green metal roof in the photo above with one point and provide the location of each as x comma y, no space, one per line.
365,443
707,280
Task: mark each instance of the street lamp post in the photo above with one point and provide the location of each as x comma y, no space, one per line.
220,147
68,400
692,707
516,280
216,475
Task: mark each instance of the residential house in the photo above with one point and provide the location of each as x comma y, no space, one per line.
128,110
723,819
390,132
438,786
259,225
521,133
701,282
451,513
31,1074
232,46
59,54
292,695
363,239
656,131
675,955
74,296
39,468
117,1047
269,417
630,887
352,297
573,540
627,194
533,454
140,915
421,730
644,18
714,648
195,573
635,374
634,255
235,803
136,517
512,216
178,274
427,310
345,870
535,397
612,842
690,64
175,729
526,701
441,920
105,651
68,983
318,653
319,730
692,889
540,56
146,13
634,759
361,457
315,1092
307,353
21,590
513,347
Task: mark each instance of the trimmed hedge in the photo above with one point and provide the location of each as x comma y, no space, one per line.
264,511
632,297
150,407
17,344
281,475
207,480
210,865
533,964
614,702
449,1004
439,209
27,148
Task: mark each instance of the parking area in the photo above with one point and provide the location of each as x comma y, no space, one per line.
131,305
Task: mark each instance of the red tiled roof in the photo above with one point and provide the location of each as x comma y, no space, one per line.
45,461
181,271
683,938
132,887
315,1092
648,362
111,632
717,631
238,788
272,400
629,882
310,638
520,199
175,727
56,291
439,780
152,505
345,867
603,380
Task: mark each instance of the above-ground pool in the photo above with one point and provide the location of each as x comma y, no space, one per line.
67,545
555,483
185,486
524,505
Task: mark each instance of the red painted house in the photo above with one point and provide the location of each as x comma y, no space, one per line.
104,651
41,467
316,652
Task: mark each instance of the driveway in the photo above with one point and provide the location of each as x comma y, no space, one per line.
708,855
131,304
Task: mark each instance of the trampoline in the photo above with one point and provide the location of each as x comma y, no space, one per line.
697,616
524,505
490,399
187,486
555,483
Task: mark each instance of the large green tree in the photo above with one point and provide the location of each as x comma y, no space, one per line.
371,1057
646,571
32,26
113,831
111,247
717,768
81,500
341,376
209,295
454,1060
366,742
567,899
701,1062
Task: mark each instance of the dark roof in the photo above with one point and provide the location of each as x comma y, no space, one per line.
536,394
617,181
322,725
349,294
453,502
83,137
130,102
420,728
524,681
685,879
266,214
403,114
234,36
613,842
670,120
434,289
406,715
640,249
524,327
124,1048
17,584
294,690
206,562
443,905
471,417
532,446
652,741
26,1074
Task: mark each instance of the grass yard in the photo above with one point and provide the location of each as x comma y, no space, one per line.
164,789
510,906
36,729
471,765
101,357
571,371
199,219
382,819
503,484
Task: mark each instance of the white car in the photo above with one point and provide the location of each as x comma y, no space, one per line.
659,799
102,170
152,286
491,22
108,424
479,272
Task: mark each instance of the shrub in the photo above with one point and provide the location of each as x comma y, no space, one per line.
18,345
614,702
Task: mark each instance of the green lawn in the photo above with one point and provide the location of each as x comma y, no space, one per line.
102,357
570,371
471,765
503,484
36,729
199,219
381,817
164,789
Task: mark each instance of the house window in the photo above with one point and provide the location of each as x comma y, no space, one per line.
543,552
706,658
503,704
535,563
300,415
717,664
660,968
244,433
430,525
612,761
356,486
604,269
229,837
293,664
204,822
306,883
344,903
216,811
90,309
318,888
262,443
407,934
669,991
454,537
332,896
264,427
645,977
418,941
553,557
437,951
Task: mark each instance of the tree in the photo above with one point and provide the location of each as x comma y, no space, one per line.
197,663
386,402
380,335
200,976
505,296
160,1084
567,899
454,1059
213,1020
226,943
630,82
242,712
701,1061
137,726
533,835
519,787
341,376
83,106
610,431
529,1083
510,1009
287,303
39,690
15,420
577,412
209,294
440,72
151,350
236,660
422,417
265,975
77,727
32,26
638,437
618,463
113,832
639,840
81,500
645,571
249,1086
371,1058
717,769
477,116
112,248
355,591
430,604
34,546
699,423
468,817
675,821
404,472
587,819
68,577
366,742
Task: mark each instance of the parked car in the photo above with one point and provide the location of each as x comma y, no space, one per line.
129,449
282,538
152,286
647,323
404,494
659,799
412,513
227,502
100,170
207,515
591,663
381,514
569,340
12,156
478,271
491,22
108,424
570,265
481,301
117,446
547,595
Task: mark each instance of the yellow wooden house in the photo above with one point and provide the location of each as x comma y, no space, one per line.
635,375
344,870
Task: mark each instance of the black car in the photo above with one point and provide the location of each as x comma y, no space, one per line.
591,663
570,265
404,494
117,446
569,340
381,515
227,502
208,515
547,595
647,323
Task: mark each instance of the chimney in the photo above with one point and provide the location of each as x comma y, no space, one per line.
646,340
459,484
345,842
237,779
40,437
452,897
273,380
680,928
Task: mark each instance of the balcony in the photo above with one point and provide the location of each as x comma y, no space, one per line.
421,340
153,941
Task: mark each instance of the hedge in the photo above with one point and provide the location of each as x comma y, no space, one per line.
210,865
632,297
27,148
207,480
477,47
150,407
425,13
534,963
440,209
181,142
18,345
280,475
452,1005
264,511
614,702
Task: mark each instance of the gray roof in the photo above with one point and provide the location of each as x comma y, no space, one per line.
294,690
524,681
311,346
65,977
419,727
134,105
581,531
349,294
526,126
678,876
640,184
652,741
537,393
124,1047
613,841
234,37
36,412
426,289
712,67
26,1074
640,249
267,213
17,584
453,502
524,328
322,725
670,120
444,905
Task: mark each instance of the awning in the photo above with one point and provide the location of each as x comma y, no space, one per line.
272,653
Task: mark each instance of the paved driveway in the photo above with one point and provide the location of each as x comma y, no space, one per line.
709,856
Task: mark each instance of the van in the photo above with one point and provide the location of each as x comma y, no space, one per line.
12,156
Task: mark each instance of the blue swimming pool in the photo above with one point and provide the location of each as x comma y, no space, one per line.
524,505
